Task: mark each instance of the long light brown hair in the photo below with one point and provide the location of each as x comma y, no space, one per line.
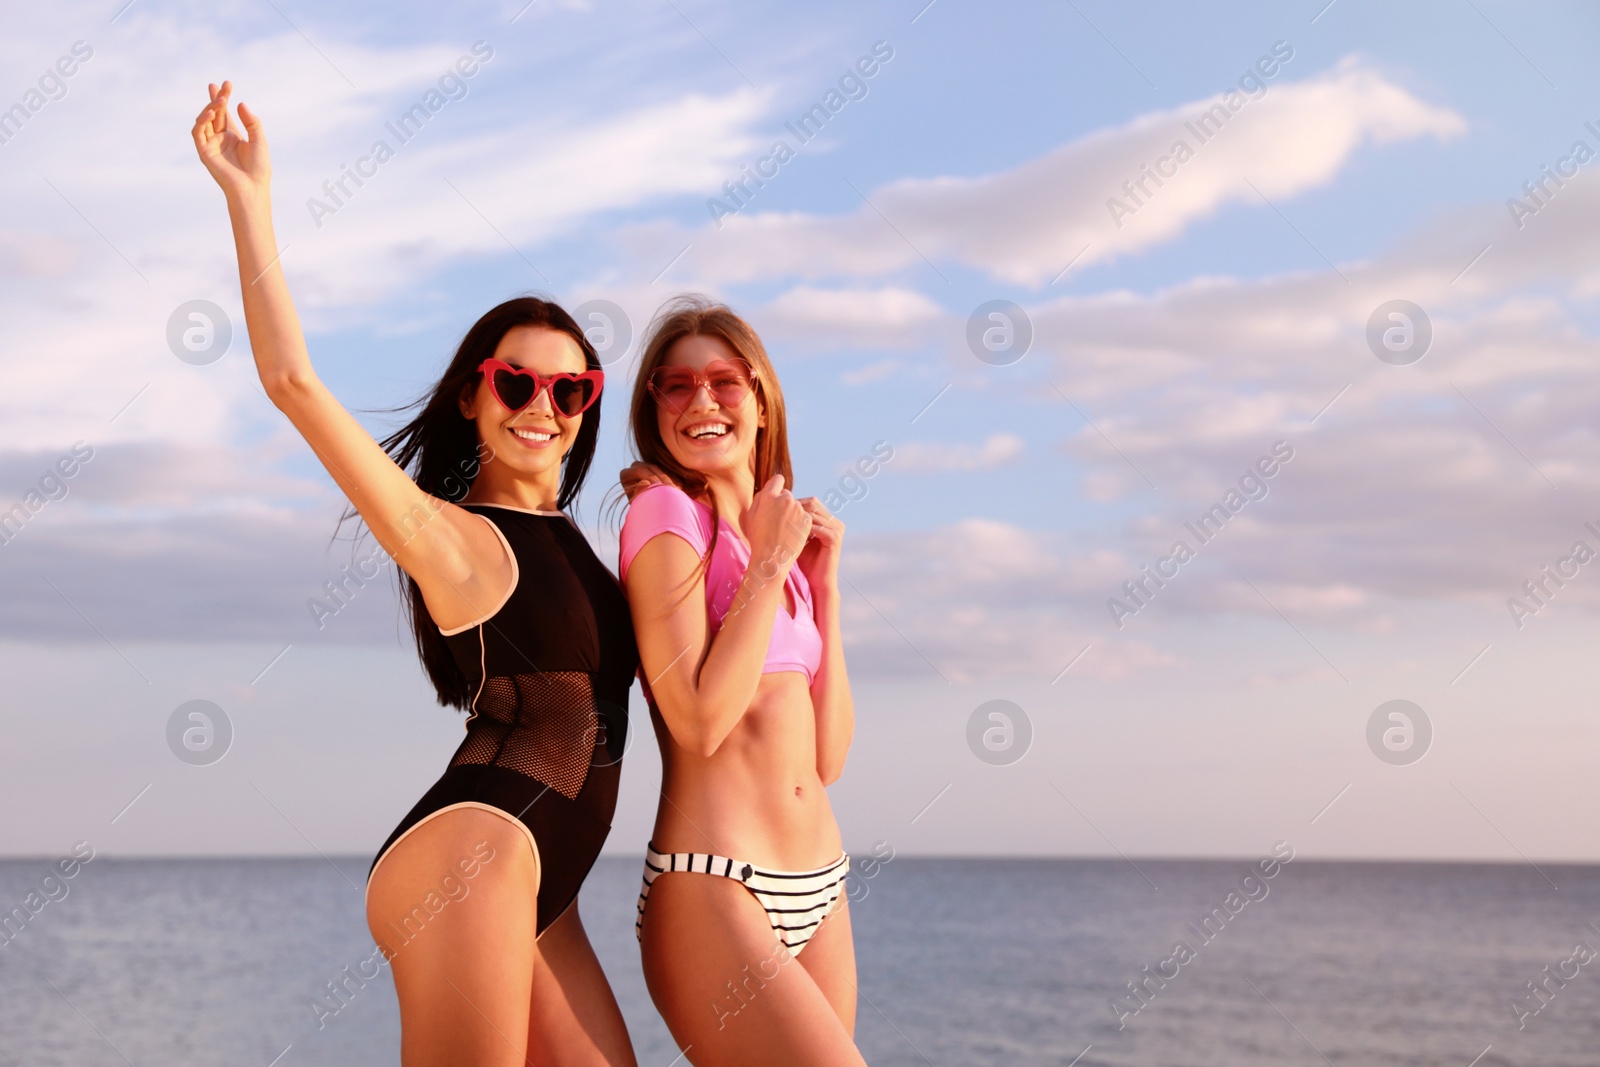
692,315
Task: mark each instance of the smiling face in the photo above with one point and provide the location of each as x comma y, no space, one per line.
706,436
531,442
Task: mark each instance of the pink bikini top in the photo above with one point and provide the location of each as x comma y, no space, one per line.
796,643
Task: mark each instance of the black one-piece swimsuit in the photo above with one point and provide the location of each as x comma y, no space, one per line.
550,670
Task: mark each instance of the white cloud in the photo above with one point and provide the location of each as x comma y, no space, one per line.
891,317
1026,224
1432,482
141,193
921,457
1190,383
980,598
1422,485
871,372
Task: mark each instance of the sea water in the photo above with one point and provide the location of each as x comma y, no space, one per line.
961,961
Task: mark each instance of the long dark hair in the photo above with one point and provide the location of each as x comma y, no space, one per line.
691,315
440,449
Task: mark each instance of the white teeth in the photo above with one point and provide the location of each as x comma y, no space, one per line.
708,430
532,435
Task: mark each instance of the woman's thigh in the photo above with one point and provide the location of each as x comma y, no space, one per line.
725,986
461,948
830,959
574,1019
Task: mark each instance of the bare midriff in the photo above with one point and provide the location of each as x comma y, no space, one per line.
758,798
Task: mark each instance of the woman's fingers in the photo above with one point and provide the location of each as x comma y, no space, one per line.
824,527
214,123
219,106
204,129
635,482
639,476
216,109
815,509
640,469
205,112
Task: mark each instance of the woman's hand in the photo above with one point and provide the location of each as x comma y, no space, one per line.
819,560
239,165
639,476
777,527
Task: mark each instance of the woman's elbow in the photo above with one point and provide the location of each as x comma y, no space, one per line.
830,771
286,389
696,732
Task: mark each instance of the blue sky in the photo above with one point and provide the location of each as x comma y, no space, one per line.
1227,314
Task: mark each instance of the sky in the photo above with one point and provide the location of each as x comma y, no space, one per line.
1321,272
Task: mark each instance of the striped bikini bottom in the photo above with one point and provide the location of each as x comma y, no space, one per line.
796,902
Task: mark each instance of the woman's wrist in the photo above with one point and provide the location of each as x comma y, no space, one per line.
248,205
774,557
825,590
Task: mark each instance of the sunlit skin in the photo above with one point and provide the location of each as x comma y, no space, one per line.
745,755
474,988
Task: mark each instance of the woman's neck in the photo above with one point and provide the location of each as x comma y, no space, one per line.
733,491
530,493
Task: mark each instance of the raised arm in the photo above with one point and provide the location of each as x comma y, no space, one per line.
702,684
454,556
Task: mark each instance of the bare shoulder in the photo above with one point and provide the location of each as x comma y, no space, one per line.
468,569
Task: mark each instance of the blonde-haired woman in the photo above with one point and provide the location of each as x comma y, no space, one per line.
733,584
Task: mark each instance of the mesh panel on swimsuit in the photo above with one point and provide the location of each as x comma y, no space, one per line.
542,725
549,670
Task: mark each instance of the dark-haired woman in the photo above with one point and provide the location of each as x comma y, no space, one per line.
743,921
472,898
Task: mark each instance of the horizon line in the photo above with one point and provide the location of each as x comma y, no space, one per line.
950,856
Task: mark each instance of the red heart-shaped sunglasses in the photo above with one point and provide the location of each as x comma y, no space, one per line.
517,387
